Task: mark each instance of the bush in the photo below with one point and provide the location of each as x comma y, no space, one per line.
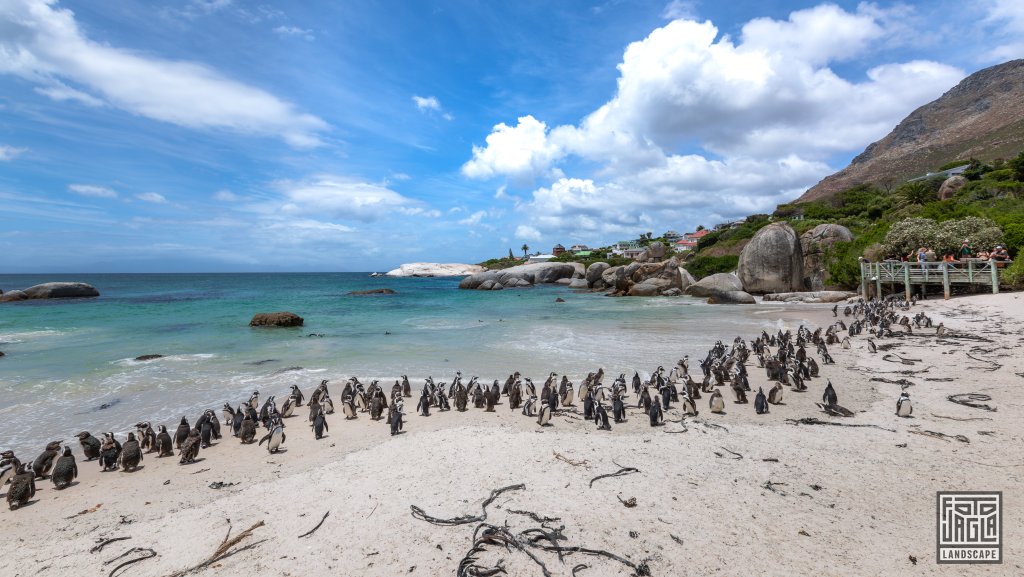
703,266
1013,235
979,232
1013,275
910,234
953,164
1000,175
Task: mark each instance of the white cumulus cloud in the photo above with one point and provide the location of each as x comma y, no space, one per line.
44,44
9,153
154,197
527,232
347,198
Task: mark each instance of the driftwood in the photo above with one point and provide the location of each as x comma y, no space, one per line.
622,471
579,567
993,366
628,503
942,436
313,530
889,357
224,550
815,421
959,419
534,516
565,459
903,383
146,554
972,400
418,513
772,487
737,456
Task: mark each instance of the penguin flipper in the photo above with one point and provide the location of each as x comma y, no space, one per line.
265,438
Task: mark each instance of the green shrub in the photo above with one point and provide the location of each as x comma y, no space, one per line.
703,266
1013,235
1000,175
1013,275
953,164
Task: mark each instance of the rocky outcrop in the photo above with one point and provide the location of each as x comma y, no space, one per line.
651,279
61,290
810,297
815,244
654,252
951,186
279,319
772,261
595,272
522,276
721,282
431,269
380,291
148,357
12,296
731,298
579,283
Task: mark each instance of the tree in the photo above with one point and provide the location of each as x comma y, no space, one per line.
700,227
916,192
525,249
510,256
1017,164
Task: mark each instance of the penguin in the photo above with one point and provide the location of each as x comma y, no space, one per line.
164,443
515,397
288,408
775,394
666,396
90,445
228,413
689,407
8,467
406,387
618,408
296,396
829,398
236,420
530,405
320,425
348,408
871,346
569,395
247,432
601,417
110,450
645,399
182,433
553,400
655,413
395,416
491,397
65,470
423,407
269,406
544,416
716,403
761,402
275,438
205,434
903,406
147,437
189,448
131,454
44,462
737,389
254,399
588,406
23,487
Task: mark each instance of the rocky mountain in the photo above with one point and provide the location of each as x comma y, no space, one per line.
981,117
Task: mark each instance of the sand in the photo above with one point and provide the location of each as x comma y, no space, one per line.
846,501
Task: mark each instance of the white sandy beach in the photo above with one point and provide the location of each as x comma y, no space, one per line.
846,501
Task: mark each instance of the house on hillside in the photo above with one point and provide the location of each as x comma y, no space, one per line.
684,245
672,236
623,246
558,250
540,258
943,174
579,247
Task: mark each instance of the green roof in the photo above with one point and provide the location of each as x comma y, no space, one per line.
583,253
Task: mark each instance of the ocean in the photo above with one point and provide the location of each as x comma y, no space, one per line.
69,364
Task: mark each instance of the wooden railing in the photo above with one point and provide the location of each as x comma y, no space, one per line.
967,271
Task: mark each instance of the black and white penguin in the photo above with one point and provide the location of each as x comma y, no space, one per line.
44,462
657,417
376,408
189,448
903,406
228,413
588,406
247,431
65,470
236,420
530,406
205,432
760,402
689,407
288,408
131,454
110,450
22,489
348,408
618,408
254,400
270,406
320,425
553,400
871,346
601,418
296,396
406,387
147,436
164,443
544,416
644,399
275,438
716,403
90,445
8,467
214,423
569,395
182,433
829,397
395,416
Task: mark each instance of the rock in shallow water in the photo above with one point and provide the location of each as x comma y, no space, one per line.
61,290
380,291
731,298
279,319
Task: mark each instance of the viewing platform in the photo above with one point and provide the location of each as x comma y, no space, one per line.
970,271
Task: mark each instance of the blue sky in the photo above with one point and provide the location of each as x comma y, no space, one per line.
222,135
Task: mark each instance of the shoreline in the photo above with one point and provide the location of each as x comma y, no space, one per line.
369,480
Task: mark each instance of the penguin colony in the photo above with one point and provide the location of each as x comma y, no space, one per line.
783,356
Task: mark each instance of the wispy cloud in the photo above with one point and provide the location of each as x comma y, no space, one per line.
295,31
225,195
431,104
9,153
43,43
92,190
154,197
680,9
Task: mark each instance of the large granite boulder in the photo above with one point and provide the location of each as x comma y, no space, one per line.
61,290
772,261
815,245
731,298
685,279
524,275
951,186
279,319
378,291
654,252
810,297
579,283
720,282
595,272
431,269
13,295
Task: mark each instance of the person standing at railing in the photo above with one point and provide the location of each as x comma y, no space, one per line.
965,250
948,258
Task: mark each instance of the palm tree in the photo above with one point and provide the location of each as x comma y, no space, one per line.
525,248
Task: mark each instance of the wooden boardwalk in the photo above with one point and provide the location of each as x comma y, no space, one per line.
967,271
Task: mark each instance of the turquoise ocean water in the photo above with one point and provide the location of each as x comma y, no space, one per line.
65,359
